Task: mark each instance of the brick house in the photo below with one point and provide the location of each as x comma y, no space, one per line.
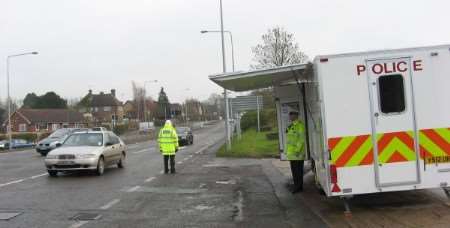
35,120
103,107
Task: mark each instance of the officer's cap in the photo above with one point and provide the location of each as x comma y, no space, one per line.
293,113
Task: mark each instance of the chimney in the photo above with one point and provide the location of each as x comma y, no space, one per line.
90,92
113,92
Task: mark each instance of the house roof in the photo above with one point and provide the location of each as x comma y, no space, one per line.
99,100
51,116
102,99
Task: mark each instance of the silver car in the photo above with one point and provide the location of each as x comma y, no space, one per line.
89,150
58,136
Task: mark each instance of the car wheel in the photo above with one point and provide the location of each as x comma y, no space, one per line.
100,166
52,173
121,163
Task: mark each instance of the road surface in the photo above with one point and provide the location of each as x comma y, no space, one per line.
205,192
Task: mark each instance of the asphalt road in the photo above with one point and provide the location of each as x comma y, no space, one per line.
206,191
51,202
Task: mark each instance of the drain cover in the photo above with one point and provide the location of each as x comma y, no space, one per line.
86,216
8,215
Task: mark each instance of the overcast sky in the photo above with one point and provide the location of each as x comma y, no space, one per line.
104,44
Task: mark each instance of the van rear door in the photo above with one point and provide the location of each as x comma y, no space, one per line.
394,130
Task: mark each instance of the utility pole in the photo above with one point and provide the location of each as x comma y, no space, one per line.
224,65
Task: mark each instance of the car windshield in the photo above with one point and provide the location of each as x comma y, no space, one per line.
182,130
59,133
87,139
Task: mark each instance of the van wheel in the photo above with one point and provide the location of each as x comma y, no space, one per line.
52,173
100,166
121,163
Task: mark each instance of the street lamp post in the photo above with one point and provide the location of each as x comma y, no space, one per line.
224,65
231,39
9,97
186,108
145,98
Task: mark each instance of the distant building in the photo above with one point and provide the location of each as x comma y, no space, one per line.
104,108
176,110
34,120
135,110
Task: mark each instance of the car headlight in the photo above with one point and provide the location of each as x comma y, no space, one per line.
86,156
49,156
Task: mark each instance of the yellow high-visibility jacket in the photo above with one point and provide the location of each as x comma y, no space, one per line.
168,140
295,141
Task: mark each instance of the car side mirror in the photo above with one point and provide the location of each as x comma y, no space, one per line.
58,144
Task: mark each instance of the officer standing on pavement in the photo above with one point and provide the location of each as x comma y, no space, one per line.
296,150
168,145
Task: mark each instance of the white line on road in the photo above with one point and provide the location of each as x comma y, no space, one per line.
11,182
185,159
39,175
79,224
180,162
110,204
150,179
140,151
133,189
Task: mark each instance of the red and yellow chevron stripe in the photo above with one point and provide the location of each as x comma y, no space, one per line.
392,147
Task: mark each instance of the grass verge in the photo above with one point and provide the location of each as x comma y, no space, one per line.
252,145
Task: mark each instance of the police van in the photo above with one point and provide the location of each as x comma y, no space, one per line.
376,121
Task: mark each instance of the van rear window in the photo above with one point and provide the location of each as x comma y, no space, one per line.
392,93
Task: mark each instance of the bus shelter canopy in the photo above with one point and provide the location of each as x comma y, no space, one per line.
264,78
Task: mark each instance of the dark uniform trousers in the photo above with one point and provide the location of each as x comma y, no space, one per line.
297,173
172,163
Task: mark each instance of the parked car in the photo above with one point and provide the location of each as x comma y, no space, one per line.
16,144
185,136
88,150
58,136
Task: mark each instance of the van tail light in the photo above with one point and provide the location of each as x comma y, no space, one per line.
333,174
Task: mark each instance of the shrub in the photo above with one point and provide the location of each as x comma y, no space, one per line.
121,129
268,120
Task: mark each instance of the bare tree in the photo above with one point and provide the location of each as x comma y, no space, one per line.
138,99
278,49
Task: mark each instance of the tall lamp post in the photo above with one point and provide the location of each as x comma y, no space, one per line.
145,98
186,108
231,39
224,65
9,97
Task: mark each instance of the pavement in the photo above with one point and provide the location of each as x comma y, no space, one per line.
205,192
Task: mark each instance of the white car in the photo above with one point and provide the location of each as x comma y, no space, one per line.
89,150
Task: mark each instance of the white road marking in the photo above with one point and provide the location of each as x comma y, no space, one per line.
161,172
180,162
110,204
190,156
11,182
133,189
150,179
79,224
185,159
141,151
39,175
